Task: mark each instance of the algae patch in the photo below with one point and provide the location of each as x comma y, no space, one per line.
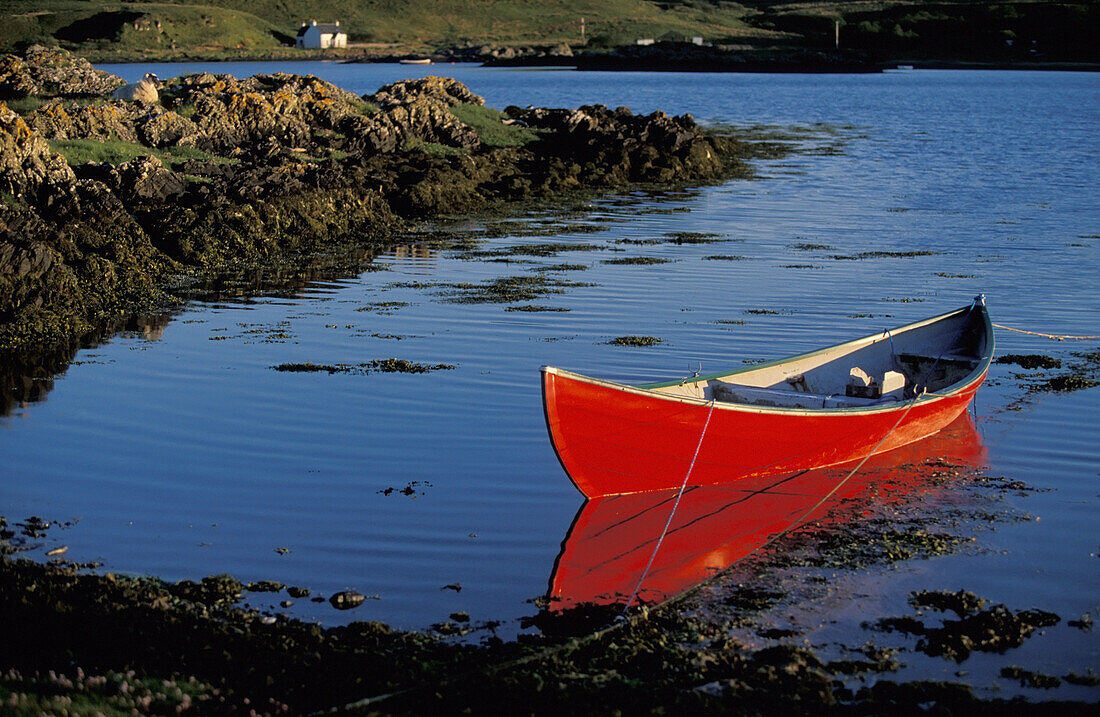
637,260
390,365
992,629
635,341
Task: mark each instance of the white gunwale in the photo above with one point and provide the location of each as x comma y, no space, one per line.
649,389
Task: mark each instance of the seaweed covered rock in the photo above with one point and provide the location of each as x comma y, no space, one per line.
625,147
226,173
51,72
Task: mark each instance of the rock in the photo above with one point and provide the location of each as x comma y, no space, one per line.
51,72
297,592
164,128
70,120
28,169
437,90
231,113
347,599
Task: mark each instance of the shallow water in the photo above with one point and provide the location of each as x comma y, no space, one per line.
184,454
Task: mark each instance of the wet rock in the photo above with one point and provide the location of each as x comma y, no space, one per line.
994,629
961,602
298,592
1029,678
347,599
213,590
265,586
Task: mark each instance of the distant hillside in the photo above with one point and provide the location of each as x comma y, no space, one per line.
259,25
958,30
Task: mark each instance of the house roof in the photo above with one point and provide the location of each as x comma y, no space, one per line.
324,28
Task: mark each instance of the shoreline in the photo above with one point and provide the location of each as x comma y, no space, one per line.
627,60
108,203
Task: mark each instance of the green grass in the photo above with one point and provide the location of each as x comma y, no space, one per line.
30,103
114,151
488,124
260,25
229,29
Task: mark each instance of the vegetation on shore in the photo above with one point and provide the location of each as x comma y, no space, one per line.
753,31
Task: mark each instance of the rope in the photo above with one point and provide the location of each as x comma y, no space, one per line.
624,620
675,505
1056,337
798,521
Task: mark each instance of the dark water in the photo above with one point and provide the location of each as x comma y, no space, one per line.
184,454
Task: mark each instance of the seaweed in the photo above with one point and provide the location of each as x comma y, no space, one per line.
635,341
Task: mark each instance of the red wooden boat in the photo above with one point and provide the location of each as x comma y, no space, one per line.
830,406
612,538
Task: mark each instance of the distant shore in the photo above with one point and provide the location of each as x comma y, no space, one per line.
656,59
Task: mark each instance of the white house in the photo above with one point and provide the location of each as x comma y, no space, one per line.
322,35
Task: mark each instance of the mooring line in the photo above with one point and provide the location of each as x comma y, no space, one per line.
672,513
1056,337
624,619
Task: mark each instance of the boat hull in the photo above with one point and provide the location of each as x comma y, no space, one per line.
613,438
612,539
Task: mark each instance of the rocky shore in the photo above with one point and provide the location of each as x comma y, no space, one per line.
107,204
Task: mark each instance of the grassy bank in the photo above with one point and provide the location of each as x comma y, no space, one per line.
1008,31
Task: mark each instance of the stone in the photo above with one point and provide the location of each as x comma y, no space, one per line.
52,72
347,599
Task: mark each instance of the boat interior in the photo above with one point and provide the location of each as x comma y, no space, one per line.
890,367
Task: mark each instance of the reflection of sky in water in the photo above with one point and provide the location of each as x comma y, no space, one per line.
184,454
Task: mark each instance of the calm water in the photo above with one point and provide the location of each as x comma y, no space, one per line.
183,453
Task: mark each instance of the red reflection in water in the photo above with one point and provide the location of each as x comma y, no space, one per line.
612,537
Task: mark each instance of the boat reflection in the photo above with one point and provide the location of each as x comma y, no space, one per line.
612,537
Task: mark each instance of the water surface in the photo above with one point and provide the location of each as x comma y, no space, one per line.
183,453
